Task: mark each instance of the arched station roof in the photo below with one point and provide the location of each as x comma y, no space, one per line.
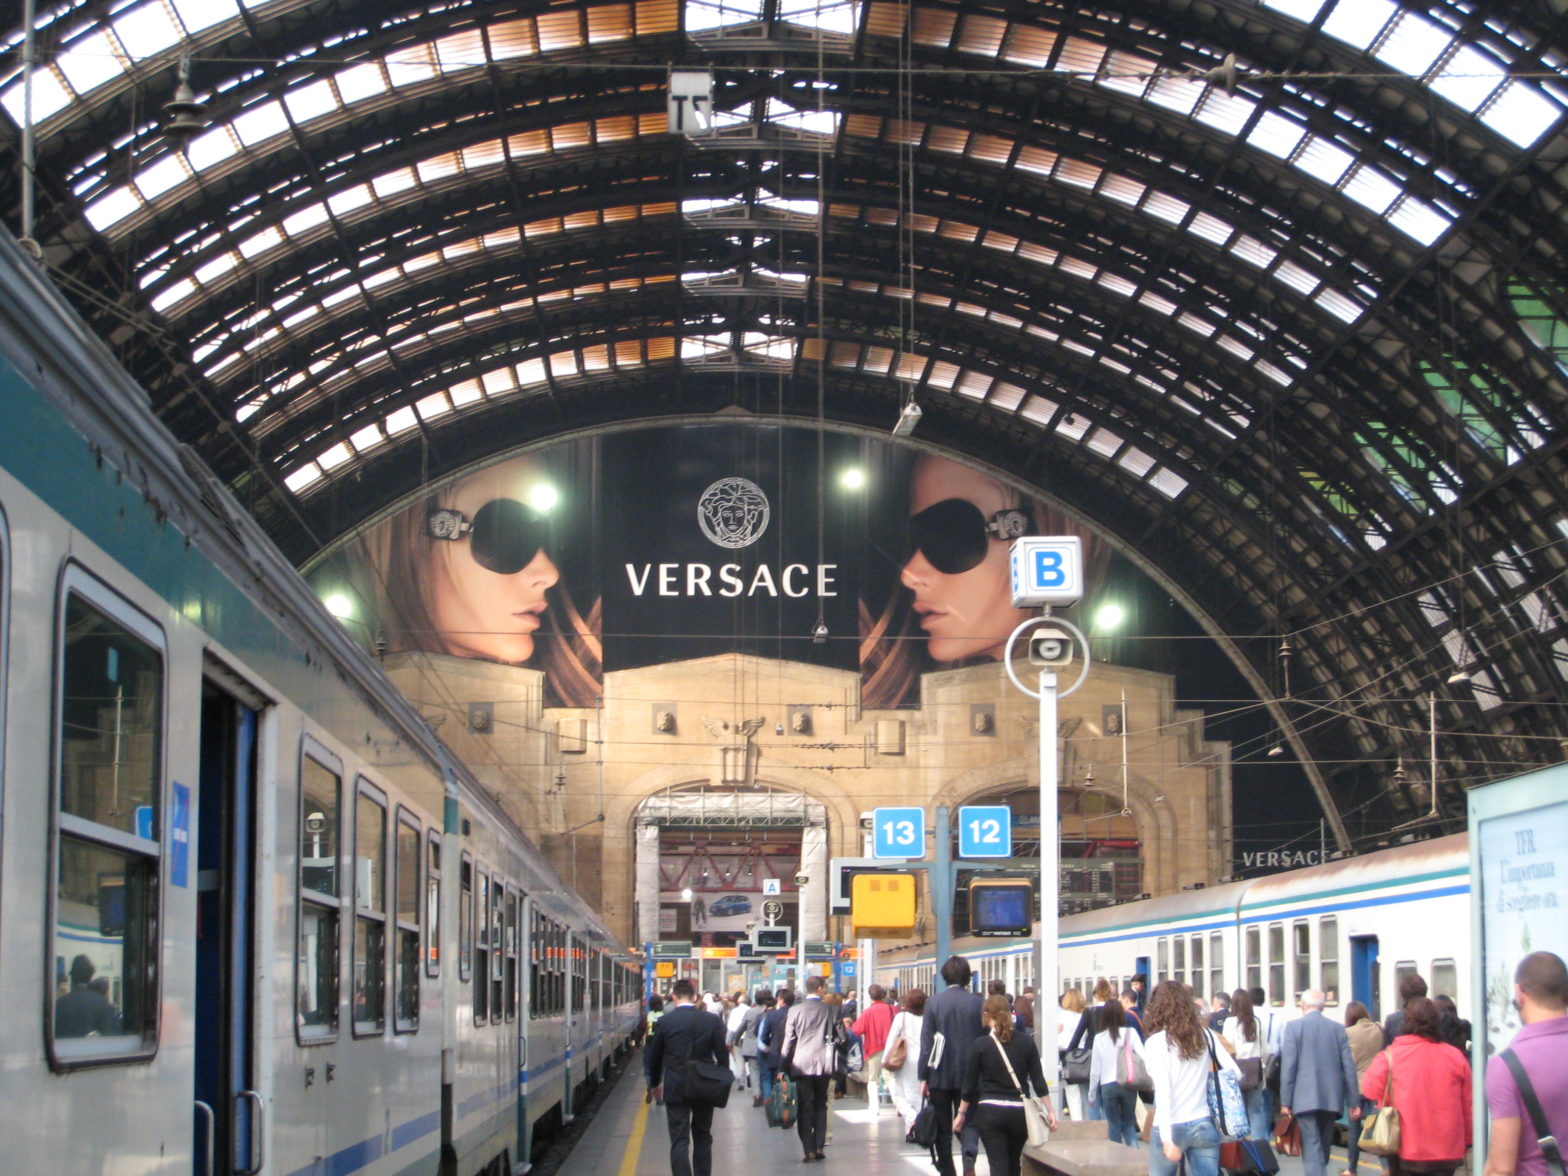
1269,291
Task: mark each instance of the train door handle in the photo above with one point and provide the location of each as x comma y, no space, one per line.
258,1136
212,1128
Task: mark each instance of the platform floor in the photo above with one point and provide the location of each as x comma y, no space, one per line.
630,1139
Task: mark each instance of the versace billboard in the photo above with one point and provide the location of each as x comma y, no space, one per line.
669,543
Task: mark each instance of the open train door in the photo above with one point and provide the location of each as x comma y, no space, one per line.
1364,975
229,1133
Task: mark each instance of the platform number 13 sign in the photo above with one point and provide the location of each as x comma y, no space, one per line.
898,833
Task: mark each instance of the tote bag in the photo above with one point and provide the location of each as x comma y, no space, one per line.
1075,1065
1227,1106
781,1103
1380,1129
1130,1070
1037,1124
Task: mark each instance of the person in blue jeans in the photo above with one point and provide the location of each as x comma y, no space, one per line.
1115,1040
1176,1054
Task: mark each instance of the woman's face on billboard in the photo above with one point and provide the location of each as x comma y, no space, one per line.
487,589
967,613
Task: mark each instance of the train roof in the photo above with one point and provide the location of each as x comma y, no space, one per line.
1411,863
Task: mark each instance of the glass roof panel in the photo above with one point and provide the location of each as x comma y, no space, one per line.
1469,77
203,14
1521,114
89,61
146,30
1358,22
1413,45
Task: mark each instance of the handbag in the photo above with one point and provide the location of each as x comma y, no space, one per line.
922,1132
1130,1070
1380,1130
781,1105
1037,1124
1287,1135
1227,1106
895,1057
1247,1157
1251,1072
1075,1065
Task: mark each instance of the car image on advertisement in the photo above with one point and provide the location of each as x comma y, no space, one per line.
730,904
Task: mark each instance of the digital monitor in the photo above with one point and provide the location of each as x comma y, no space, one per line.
1001,906
774,939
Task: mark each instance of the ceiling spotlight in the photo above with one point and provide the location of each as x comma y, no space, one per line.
1459,678
819,635
908,418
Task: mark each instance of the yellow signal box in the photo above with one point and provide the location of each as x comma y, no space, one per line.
882,906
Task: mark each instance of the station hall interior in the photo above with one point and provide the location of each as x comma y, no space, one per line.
652,387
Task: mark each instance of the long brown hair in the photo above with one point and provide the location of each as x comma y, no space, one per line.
1170,1009
1000,1016
1241,1009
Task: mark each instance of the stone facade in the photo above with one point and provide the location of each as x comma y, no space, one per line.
574,779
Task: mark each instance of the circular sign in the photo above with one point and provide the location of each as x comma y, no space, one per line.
772,910
733,512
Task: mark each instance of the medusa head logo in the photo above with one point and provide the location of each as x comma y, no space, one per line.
733,512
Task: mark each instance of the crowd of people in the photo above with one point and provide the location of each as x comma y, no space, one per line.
1142,1061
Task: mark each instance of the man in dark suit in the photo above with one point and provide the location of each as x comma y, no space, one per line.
955,1015
1317,1080
686,1034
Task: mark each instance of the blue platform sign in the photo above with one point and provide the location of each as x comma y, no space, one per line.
1046,569
985,830
898,833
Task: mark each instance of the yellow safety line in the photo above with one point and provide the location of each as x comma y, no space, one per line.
634,1144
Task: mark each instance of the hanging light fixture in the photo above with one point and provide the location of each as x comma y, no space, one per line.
185,117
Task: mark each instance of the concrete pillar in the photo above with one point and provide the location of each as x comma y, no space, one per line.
814,864
647,884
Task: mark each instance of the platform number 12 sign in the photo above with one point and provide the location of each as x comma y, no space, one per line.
898,833
985,831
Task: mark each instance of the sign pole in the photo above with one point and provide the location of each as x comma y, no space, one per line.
944,879
1050,871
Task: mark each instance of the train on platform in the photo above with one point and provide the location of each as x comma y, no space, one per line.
255,918
1351,928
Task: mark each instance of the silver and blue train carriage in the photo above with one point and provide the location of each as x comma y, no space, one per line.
1352,928
248,903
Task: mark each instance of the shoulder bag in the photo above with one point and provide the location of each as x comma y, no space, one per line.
922,1131
1227,1106
1380,1129
1075,1065
707,1083
1130,1070
898,1053
781,1104
1543,1131
1037,1123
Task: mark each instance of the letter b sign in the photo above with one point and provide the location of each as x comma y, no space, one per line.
1047,570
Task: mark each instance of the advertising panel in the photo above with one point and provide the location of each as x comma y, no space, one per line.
675,542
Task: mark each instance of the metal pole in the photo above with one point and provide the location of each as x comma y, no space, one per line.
1050,873
942,885
29,62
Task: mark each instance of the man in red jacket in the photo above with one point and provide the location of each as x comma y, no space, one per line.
872,1026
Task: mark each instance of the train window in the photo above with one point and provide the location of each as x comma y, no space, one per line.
1402,968
1254,957
1276,963
433,904
497,967
1197,965
509,1001
482,949
103,980
1179,959
1301,955
370,913
406,960
320,894
1216,963
1445,979
1161,961
1328,958
535,971
465,919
